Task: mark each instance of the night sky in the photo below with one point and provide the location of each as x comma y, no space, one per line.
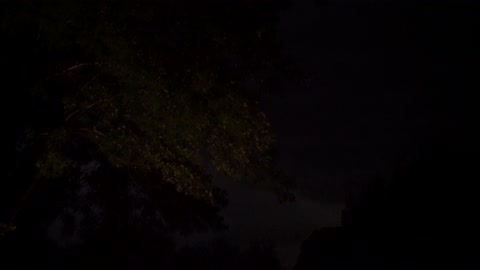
367,108
362,111
385,84
347,126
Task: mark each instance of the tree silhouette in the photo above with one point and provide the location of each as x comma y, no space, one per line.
421,217
121,115
147,88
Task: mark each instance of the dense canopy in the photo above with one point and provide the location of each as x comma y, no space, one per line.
145,88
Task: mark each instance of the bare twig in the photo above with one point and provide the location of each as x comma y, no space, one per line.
24,199
98,132
72,114
86,108
87,84
77,66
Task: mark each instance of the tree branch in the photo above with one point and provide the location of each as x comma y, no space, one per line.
86,108
77,66
24,199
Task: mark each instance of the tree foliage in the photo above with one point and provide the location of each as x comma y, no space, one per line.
6,228
148,88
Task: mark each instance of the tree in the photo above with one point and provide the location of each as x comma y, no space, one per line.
166,94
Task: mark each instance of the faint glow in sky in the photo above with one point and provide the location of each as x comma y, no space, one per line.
256,214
